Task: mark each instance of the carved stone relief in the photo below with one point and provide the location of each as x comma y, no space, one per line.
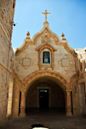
25,62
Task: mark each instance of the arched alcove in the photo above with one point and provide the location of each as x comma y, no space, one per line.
45,94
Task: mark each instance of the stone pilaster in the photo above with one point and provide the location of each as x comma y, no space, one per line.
22,106
68,104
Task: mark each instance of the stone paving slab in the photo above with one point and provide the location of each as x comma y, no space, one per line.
50,121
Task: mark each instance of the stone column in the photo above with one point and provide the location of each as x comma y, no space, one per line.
81,98
68,104
22,106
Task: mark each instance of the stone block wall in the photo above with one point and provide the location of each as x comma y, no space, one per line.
6,52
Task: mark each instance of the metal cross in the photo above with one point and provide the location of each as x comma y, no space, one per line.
46,13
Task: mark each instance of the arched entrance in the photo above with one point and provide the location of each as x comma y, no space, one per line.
45,94
58,93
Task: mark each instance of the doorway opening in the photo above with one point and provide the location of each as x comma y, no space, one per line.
43,99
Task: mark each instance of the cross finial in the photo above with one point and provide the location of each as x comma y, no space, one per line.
46,13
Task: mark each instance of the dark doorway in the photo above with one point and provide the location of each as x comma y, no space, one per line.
43,99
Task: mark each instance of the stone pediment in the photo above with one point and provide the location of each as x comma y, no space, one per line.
46,36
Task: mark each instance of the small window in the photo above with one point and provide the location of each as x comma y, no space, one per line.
46,57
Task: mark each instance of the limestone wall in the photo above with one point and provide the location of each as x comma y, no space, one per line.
6,52
28,60
64,62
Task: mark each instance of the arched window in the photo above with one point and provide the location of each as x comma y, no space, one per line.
46,57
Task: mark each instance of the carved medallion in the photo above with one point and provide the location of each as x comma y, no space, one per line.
26,62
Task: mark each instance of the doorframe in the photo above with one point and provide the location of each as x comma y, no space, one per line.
49,90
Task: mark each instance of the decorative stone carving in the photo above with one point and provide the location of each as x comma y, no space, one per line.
25,62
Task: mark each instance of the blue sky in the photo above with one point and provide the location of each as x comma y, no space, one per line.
68,16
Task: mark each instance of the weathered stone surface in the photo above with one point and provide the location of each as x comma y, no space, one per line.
6,52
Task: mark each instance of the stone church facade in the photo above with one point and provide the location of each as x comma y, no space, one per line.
45,74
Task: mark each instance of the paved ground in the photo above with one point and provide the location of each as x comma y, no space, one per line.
50,120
